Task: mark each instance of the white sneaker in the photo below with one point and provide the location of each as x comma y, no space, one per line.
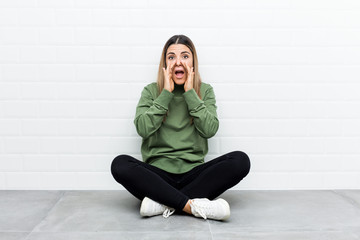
218,209
151,208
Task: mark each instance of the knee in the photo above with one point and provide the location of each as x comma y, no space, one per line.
241,163
119,165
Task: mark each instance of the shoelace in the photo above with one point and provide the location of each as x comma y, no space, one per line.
201,209
168,212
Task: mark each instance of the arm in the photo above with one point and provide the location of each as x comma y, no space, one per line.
203,111
150,112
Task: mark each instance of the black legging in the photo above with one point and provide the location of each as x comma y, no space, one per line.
207,180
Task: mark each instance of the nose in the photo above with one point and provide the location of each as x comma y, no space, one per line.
178,61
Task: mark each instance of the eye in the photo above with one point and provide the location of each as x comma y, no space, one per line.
170,57
186,56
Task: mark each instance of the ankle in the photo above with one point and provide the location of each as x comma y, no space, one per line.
187,207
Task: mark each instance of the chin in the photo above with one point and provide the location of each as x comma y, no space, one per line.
179,81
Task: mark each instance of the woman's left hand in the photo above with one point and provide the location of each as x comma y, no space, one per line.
189,82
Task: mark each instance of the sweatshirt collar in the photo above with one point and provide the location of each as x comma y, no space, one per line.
178,89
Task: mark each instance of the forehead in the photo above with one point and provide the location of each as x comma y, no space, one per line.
178,48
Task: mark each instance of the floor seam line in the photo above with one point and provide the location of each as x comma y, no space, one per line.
48,213
347,199
211,234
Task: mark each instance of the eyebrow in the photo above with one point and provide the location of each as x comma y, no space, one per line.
181,52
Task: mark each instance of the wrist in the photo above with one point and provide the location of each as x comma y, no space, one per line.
187,89
168,89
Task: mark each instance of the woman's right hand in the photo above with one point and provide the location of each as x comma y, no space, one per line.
169,82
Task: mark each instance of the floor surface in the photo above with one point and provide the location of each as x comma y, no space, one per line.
110,215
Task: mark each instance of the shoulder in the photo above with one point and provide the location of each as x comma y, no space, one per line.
151,89
205,88
151,86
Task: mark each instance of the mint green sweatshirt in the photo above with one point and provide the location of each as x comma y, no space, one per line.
175,145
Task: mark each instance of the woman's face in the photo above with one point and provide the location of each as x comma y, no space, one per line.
179,55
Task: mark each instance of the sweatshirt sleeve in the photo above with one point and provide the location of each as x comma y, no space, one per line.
150,112
203,111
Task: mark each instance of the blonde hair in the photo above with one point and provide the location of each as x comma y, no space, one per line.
179,39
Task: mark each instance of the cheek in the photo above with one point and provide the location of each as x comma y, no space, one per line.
189,62
168,62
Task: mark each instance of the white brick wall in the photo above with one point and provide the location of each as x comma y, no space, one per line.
285,73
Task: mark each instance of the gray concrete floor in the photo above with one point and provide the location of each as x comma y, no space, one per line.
105,215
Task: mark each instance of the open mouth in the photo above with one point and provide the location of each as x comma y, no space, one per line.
179,73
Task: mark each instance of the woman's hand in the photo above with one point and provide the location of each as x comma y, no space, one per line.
169,82
189,82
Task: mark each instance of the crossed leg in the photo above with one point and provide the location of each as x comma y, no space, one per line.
208,180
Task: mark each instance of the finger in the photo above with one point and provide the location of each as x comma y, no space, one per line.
186,66
167,69
165,72
171,68
189,69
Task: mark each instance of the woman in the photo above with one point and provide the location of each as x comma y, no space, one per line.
175,116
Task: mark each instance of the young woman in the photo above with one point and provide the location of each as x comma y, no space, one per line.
175,116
